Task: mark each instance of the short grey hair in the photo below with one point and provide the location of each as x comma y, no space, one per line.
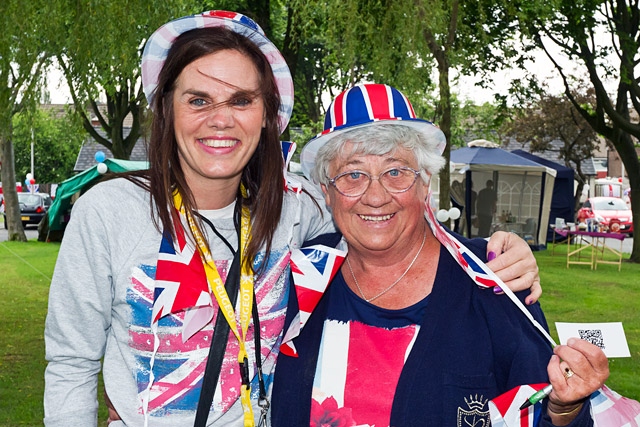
379,139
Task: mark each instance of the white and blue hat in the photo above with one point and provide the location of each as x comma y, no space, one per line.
157,48
366,105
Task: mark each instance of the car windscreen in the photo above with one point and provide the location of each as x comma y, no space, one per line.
29,199
610,205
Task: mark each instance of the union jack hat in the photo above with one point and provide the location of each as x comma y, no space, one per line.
157,48
366,105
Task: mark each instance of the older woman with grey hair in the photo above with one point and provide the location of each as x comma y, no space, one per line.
403,336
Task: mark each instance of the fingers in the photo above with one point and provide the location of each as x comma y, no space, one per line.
576,370
584,356
113,414
514,264
513,257
497,242
536,291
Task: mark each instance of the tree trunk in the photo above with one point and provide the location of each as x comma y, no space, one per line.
581,181
445,127
626,150
635,207
11,205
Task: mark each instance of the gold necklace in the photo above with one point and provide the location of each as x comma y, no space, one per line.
424,239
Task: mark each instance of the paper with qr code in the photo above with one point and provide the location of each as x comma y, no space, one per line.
608,336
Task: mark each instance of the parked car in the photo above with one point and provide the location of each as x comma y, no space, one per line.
608,211
33,207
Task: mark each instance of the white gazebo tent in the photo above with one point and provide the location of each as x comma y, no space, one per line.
524,190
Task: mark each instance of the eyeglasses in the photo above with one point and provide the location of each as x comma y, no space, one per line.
355,183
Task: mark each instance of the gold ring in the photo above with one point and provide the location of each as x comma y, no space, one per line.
568,373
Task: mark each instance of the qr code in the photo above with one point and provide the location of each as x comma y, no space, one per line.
594,336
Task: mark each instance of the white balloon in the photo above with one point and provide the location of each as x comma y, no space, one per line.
442,215
29,176
102,168
454,213
586,187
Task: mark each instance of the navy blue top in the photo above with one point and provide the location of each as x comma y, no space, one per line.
472,346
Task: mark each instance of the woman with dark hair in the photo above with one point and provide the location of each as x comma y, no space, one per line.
261,176
142,269
177,277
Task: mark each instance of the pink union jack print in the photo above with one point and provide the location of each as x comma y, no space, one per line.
313,268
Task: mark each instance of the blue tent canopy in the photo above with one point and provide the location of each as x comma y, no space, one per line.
488,158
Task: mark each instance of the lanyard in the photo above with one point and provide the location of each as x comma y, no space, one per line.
226,307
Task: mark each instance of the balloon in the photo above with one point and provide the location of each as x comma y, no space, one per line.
454,213
442,215
100,156
32,181
29,176
586,187
102,168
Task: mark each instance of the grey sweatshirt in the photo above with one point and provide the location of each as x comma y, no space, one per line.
100,306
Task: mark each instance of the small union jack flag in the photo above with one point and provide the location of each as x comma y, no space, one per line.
313,268
505,409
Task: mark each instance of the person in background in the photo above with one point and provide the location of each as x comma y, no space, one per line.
486,208
403,336
457,201
140,279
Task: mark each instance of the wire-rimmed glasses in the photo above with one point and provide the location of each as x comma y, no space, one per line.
355,183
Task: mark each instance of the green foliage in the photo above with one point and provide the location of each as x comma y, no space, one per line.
550,118
21,57
101,41
98,46
57,141
303,134
471,121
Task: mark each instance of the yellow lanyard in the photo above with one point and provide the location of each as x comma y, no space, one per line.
226,307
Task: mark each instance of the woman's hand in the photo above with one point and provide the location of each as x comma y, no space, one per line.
575,370
113,414
513,262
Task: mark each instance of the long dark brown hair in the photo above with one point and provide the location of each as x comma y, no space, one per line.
262,176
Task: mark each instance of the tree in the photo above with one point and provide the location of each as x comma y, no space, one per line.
555,118
397,43
319,60
21,64
471,121
56,145
98,46
575,27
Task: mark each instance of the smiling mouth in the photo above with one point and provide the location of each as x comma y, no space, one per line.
376,218
218,143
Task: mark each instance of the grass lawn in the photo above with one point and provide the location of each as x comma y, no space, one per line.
578,294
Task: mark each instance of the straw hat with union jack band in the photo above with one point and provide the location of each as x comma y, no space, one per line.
157,48
366,105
